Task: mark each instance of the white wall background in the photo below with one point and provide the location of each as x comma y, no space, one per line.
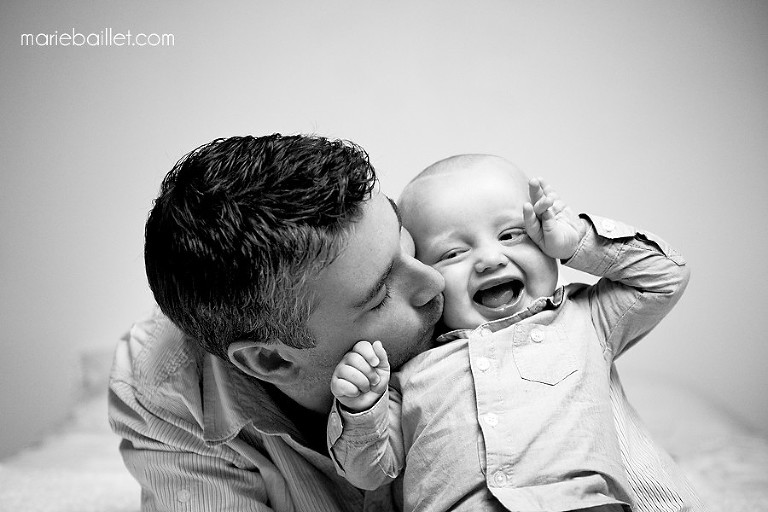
654,112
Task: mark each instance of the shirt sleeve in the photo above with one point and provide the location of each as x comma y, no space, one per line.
367,447
642,278
177,471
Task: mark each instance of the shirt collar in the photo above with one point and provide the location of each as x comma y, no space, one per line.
233,400
537,306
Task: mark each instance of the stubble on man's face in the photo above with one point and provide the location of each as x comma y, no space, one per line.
425,338
375,262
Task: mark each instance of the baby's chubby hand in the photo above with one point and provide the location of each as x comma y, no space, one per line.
361,377
550,223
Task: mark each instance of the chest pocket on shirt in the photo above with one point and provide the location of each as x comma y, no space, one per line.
543,355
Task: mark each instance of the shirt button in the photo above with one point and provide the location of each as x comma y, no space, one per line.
499,478
483,364
183,495
537,336
609,225
491,419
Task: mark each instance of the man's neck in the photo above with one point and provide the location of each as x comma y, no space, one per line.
310,423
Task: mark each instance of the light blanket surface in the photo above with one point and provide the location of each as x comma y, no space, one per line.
78,468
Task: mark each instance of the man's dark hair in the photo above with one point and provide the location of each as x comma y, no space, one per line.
238,227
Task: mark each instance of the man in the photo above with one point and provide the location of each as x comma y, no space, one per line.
269,258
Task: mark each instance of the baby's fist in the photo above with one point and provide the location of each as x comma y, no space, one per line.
361,377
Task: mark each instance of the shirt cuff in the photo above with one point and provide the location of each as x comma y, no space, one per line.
598,249
359,427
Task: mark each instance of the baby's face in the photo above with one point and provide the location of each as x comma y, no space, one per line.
469,226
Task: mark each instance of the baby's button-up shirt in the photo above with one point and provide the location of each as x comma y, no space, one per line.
527,412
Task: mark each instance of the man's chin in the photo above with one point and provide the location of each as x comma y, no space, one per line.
433,310
424,338
422,341
431,319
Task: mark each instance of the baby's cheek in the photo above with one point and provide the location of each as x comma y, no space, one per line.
451,323
461,316
456,308
456,301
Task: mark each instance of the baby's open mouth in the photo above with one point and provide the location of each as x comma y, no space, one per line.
499,295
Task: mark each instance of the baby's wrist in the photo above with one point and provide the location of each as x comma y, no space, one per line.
584,227
352,410
359,404
352,406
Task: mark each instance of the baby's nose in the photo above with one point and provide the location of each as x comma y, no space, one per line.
489,260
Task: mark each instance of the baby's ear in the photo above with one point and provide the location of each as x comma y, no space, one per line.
270,361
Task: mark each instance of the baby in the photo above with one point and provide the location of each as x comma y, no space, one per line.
518,406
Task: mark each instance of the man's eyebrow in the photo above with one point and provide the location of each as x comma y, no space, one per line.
374,290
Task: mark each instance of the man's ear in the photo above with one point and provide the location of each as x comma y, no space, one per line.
271,362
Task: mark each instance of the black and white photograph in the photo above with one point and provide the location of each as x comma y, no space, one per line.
384,256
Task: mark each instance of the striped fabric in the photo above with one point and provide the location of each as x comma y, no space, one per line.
199,436
656,481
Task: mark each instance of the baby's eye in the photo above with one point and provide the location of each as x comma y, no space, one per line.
512,235
449,255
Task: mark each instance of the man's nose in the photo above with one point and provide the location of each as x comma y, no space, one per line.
427,283
489,258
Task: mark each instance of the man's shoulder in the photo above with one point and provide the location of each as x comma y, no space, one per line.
157,364
165,389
